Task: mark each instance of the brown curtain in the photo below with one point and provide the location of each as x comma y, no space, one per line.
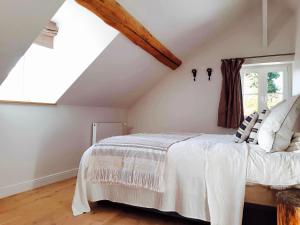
231,112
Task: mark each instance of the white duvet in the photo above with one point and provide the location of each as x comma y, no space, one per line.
205,179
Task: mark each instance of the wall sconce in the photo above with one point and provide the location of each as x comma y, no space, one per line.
194,72
209,72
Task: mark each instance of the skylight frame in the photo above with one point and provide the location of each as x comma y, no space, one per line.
81,39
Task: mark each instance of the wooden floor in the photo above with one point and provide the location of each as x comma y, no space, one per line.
51,205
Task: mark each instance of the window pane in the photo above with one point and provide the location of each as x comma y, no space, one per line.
273,99
275,82
250,92
250,104
275,88
250,83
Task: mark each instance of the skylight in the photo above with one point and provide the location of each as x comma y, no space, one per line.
44,74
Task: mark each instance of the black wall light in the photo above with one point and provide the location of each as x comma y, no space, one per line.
209,72
194,72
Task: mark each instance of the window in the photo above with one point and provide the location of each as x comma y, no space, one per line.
33,77
43,74
264,86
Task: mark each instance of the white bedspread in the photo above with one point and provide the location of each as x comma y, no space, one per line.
185,188
205,179
273,169
225,176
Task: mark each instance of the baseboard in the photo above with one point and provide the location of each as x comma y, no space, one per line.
39,182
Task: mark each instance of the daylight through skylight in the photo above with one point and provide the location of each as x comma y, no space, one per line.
44,74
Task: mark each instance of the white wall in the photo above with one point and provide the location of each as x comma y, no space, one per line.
296,77
296,80
178,104
45,142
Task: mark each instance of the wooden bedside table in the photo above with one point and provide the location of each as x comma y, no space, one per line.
288,207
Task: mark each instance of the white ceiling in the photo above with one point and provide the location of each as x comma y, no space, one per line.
123,72
116,78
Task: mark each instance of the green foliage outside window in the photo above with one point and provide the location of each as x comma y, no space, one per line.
272,87
273,91
272,76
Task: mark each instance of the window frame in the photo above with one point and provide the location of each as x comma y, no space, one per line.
262,71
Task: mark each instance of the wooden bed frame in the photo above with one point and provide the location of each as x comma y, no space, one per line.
259,209
260,195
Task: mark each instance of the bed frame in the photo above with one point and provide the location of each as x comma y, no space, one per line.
260,195
259,209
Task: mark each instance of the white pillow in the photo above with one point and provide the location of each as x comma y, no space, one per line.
276,130
296,135
295,143
244,130
295,146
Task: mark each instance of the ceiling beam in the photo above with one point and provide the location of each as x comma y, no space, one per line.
111,12
265,23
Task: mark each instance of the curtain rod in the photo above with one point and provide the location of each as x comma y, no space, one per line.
265,56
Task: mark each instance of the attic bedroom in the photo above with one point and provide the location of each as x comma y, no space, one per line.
119,112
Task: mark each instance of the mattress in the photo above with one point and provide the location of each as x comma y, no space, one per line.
185,176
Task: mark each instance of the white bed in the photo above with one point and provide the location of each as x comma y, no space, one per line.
184,177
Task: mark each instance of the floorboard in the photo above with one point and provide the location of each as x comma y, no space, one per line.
51,205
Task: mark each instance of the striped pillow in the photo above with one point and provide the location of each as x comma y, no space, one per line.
245,128
254,131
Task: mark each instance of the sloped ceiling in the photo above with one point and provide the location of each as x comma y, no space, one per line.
117,77
20,24
124,72
292,4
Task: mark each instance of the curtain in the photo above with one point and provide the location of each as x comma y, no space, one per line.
231,112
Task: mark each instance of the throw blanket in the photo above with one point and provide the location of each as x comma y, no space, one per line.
134,160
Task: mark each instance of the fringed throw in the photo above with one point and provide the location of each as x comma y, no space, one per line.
134,160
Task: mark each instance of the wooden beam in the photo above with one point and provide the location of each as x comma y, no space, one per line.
111,12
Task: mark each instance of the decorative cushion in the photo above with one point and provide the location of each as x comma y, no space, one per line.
245,128
295,143
296,135
254,131
276,130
